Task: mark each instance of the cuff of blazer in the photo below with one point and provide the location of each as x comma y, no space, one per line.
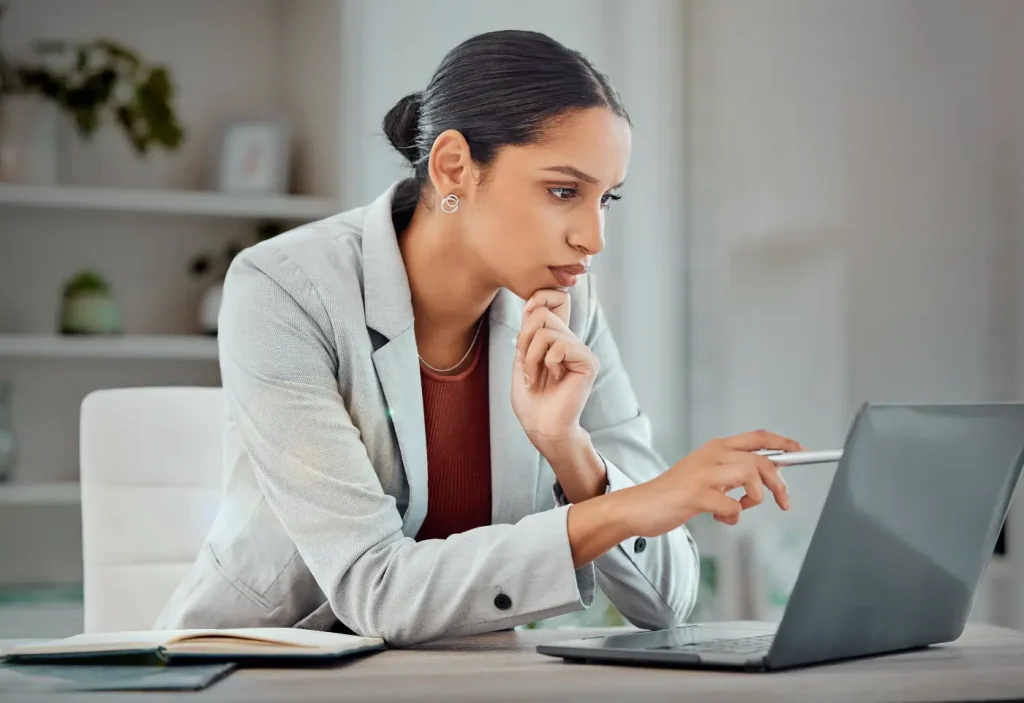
584,583
616,481
551,587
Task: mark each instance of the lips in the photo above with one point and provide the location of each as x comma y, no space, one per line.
567,276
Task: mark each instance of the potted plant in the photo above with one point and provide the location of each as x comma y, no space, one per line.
97,80
215,265
89,307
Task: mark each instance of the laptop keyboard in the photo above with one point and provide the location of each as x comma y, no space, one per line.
739,645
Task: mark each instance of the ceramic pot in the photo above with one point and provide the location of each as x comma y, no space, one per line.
90,313
29,131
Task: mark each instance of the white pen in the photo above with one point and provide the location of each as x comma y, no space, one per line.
825,456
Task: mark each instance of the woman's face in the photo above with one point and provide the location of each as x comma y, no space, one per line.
537,218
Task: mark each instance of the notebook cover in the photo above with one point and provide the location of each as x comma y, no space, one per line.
47,678
257,658
159,656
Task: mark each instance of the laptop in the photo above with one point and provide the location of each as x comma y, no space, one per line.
909,525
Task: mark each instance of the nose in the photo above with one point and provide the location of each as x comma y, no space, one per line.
587,236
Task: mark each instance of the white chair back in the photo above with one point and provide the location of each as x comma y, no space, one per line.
151,487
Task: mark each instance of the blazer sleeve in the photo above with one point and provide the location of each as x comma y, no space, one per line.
279,366
652,582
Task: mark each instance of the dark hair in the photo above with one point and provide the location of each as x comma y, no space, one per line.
497,89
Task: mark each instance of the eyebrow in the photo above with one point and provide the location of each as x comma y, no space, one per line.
576,173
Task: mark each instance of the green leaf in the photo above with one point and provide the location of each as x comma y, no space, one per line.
159,84
44,82
87,282
118,51
126,117
86,121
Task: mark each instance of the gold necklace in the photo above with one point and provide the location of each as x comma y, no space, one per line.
464,356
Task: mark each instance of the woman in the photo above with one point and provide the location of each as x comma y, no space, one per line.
429,431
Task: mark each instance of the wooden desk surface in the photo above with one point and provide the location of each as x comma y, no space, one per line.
987,663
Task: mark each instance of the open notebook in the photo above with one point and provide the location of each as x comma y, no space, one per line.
174,645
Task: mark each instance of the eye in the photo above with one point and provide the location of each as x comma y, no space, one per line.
607,199
564,194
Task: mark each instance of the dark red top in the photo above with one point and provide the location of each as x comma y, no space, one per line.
457,416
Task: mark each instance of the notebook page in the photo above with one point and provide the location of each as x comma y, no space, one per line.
295,636
99,642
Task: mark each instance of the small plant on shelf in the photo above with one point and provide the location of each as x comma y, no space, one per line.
88,306
97,78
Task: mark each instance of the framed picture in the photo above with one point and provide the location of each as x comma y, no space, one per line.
255,157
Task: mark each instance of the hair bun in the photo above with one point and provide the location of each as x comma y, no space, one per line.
402,126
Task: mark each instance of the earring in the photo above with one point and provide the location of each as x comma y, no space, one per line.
450,203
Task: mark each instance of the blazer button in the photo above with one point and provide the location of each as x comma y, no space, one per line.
640,545
502,602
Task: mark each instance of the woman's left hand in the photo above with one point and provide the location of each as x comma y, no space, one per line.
552,376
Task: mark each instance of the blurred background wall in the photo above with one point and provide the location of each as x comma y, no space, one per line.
825,206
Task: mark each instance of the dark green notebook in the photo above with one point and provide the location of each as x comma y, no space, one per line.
252,645
47,678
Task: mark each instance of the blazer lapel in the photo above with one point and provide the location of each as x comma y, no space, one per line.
398,370
388,308
515,462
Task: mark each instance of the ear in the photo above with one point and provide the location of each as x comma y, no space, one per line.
451,166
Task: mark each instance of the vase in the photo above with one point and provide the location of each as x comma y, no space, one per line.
209,308
8,440
29,135
87,313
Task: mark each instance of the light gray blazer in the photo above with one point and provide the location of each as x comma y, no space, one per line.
326,467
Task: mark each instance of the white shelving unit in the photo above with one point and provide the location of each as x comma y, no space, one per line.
166,202
20,494
140,223
170,347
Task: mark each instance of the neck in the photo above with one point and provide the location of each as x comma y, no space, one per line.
449,292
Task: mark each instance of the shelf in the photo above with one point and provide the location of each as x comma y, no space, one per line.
169,202
40,494
171,347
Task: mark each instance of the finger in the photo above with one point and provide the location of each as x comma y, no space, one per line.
732,456
768,469
539,319
574,355
553,360
533,362
773,481
724,508
761,439
557,301
744,474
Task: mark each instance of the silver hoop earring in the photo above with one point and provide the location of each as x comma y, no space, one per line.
450,203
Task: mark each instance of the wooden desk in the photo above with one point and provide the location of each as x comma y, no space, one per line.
987,663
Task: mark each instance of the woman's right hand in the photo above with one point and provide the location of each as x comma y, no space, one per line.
699,484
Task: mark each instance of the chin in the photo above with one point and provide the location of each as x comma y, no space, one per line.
522,291
525,286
